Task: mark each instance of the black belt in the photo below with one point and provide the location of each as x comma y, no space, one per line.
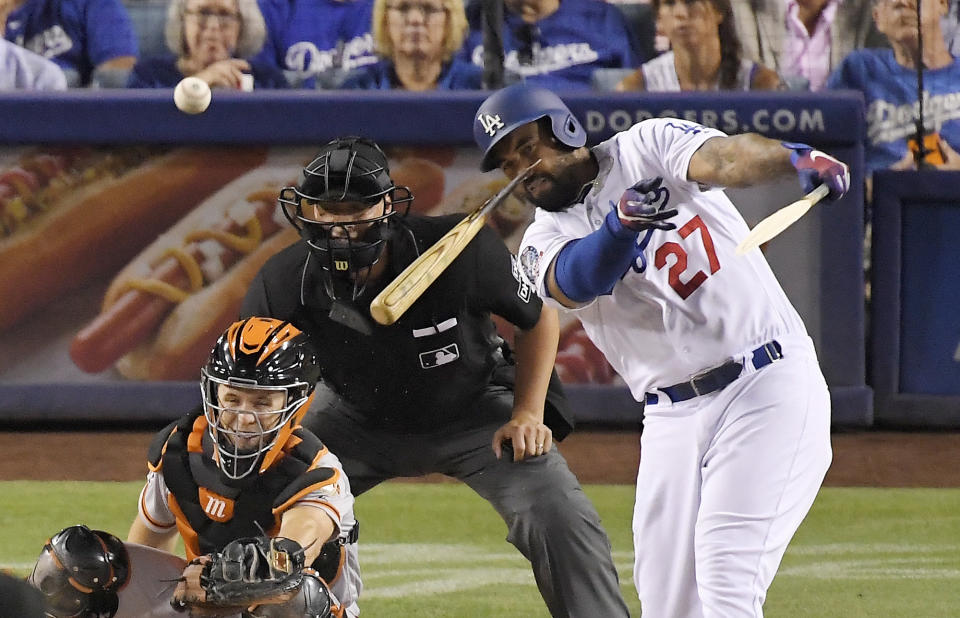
717,378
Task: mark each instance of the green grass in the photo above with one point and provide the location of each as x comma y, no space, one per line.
438,550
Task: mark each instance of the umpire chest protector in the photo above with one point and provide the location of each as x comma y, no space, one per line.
209,512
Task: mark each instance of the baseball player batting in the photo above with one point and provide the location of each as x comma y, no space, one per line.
637,235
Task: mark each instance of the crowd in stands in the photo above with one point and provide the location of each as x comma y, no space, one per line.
80,36
416,41
210,39
888,80
705,52
663,45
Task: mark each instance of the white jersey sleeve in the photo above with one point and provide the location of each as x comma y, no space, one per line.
655,147
154,510
336,500
333,498
665,144
541,243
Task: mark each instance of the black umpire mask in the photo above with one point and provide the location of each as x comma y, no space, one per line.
349,176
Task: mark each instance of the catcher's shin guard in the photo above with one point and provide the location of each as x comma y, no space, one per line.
313,600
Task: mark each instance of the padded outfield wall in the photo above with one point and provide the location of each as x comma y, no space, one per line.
267,136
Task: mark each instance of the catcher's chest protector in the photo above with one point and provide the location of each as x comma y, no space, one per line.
219,513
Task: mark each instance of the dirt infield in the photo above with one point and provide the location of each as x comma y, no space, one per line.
865,459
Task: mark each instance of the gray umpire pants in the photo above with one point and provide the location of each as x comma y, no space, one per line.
549,518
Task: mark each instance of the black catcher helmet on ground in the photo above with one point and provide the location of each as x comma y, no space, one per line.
349,175
264,358
79,572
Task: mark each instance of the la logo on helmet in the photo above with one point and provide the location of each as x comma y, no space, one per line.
490,123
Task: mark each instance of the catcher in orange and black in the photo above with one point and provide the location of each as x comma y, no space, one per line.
264,510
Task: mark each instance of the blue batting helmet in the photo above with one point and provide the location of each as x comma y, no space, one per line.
516,105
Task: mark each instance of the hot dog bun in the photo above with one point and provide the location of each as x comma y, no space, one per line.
183,343
511,216
441,155
424,178
176,345
79,230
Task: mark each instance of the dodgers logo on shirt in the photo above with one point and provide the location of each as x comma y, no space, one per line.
685,127
50,43
530,261
491,123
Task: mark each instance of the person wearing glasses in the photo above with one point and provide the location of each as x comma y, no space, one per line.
888,80
416,41
210,39
80,36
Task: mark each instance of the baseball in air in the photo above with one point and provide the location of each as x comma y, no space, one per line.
192,95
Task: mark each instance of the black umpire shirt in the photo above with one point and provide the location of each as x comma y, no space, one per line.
427,368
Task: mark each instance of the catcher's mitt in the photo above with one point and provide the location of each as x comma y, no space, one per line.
248,572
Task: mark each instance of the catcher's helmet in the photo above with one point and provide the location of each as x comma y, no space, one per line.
513,106
349,170
79,572
265,355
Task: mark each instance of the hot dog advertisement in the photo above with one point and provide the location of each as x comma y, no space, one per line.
71,213
124,264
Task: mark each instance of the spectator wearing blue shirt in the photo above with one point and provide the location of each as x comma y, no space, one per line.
888,80
78,35
210,40
21,69
416,40
557,44
316,41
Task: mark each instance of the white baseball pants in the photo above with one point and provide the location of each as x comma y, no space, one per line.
724,482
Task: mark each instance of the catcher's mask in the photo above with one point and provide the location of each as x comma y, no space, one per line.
257,385
79,572
341,207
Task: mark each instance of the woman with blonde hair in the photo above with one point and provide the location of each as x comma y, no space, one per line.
705,52
210,39
416,41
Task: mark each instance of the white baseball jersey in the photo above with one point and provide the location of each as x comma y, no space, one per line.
335,500
688,303
725,478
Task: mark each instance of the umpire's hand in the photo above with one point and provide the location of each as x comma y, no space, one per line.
527,434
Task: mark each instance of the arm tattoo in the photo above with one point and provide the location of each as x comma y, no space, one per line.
739,161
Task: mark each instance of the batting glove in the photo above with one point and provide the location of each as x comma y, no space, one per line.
643,206
815,167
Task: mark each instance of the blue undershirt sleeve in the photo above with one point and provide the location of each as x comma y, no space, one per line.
590,266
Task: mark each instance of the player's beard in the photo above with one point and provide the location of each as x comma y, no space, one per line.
552,193
559,184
